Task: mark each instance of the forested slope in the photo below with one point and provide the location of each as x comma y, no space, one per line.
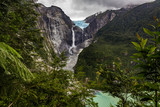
113,41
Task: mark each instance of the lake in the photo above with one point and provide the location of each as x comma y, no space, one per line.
104,99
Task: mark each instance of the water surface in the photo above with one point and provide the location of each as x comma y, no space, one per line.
81,24
105,100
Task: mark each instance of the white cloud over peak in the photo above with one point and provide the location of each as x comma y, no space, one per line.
80,9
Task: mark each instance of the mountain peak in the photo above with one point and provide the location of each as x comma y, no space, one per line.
130,6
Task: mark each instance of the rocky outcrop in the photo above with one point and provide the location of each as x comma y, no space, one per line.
81,35
62,33
58,27
98,20
64,36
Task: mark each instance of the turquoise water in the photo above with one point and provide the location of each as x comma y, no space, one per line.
104,99
81,24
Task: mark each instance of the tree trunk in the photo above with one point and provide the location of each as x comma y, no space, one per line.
124,103
156,99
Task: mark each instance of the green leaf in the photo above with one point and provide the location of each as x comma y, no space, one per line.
157,33
137,46
139,38
138,55
152,26
148,32
152,49
10,62
143,43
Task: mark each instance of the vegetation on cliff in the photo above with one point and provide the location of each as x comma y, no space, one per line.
31,74
113,41
107,62
140,86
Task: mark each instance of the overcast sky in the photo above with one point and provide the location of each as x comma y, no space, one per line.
80,9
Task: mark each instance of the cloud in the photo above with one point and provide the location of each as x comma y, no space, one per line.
110,3
80,9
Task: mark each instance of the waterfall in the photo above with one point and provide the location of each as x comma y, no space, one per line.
73,38
73,42
74,50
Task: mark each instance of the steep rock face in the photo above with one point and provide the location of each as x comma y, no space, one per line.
57,27
89,19
81,35
98,20
62,33
65,36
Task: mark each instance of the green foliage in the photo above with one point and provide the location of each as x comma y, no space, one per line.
138,88
54,89
147,58
57,88
102,54
141,84
118,83
12,74
18,28
114,39
47,85
11,64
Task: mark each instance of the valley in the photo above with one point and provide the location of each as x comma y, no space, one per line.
105,37
110,58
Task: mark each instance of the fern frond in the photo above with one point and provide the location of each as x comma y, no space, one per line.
10,62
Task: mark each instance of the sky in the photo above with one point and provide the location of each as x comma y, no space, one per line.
80,9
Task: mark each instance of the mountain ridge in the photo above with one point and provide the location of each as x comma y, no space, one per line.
113,41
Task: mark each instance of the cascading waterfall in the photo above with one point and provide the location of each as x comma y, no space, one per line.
74,50
72,59
73,38
73,42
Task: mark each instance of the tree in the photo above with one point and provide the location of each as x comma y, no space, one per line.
12,73
148,64
118,83
18,29
48,86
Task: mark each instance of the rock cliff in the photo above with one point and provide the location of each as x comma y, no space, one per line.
64,35
57,26
100,19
